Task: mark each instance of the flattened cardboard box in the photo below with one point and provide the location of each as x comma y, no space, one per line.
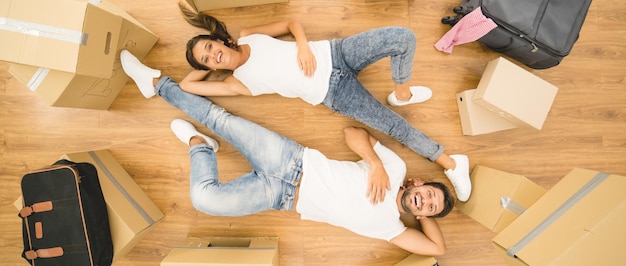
65,89
417,260
131,212
515,94
224,251
65,35
475,119
579,221
498,197
203,5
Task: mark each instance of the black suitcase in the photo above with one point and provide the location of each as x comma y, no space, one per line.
537,33
65,219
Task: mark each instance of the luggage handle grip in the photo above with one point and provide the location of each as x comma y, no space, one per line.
44,253
37,207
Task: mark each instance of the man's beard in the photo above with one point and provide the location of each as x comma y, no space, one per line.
405,195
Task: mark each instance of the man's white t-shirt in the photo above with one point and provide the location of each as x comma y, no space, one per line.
273,68
334,192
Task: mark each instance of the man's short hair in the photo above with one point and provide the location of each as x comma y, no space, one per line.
448,199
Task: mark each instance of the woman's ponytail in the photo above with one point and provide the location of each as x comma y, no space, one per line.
214,27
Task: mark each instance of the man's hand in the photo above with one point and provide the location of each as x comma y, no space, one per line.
412,183
362,143
378,184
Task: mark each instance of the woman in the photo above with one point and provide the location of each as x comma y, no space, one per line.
317,72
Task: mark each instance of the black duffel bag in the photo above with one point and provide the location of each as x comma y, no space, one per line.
65,219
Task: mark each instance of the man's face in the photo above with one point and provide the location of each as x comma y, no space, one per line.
422,200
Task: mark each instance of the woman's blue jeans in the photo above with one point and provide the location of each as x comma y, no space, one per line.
275,159
349,97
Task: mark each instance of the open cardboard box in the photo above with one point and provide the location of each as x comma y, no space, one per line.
579,221
515,94
498,197
224,251
67,89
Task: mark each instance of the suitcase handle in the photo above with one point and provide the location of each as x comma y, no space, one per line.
37,207
44,253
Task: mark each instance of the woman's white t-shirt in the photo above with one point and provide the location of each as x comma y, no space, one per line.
334,192
273,68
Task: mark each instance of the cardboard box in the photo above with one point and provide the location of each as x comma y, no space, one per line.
65,89
475,119
65,35
203,5
417,260
224,251
498,197
515,94
131,212
579,221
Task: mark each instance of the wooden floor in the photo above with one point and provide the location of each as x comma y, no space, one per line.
585,128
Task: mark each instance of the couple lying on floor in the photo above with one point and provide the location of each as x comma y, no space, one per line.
369,197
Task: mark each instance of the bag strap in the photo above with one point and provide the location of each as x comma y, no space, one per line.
37,207
43,253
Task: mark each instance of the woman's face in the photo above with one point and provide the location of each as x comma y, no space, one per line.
214,54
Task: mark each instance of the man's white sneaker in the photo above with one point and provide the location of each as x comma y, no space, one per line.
184,131
140,73
419,94
459,177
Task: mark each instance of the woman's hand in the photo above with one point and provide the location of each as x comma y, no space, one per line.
306,60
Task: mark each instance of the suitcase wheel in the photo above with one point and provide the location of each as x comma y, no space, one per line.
462,10
451,20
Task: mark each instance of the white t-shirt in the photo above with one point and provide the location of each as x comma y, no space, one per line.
273,68
334,192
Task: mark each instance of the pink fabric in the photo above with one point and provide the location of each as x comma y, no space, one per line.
468,29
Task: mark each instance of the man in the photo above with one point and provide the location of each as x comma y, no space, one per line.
330,191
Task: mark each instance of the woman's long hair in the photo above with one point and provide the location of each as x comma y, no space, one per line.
216,31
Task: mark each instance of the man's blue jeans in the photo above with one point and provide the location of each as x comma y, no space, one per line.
347,96
276,160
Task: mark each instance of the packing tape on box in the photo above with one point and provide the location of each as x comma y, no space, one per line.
42,30
512,206
556,214
37,78
120,188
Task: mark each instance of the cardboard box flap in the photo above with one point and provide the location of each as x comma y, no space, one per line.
230,242
475,119
417,260
499,197
224,251
563,222
606,243
219,256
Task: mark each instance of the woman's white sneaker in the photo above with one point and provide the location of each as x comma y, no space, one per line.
140,73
